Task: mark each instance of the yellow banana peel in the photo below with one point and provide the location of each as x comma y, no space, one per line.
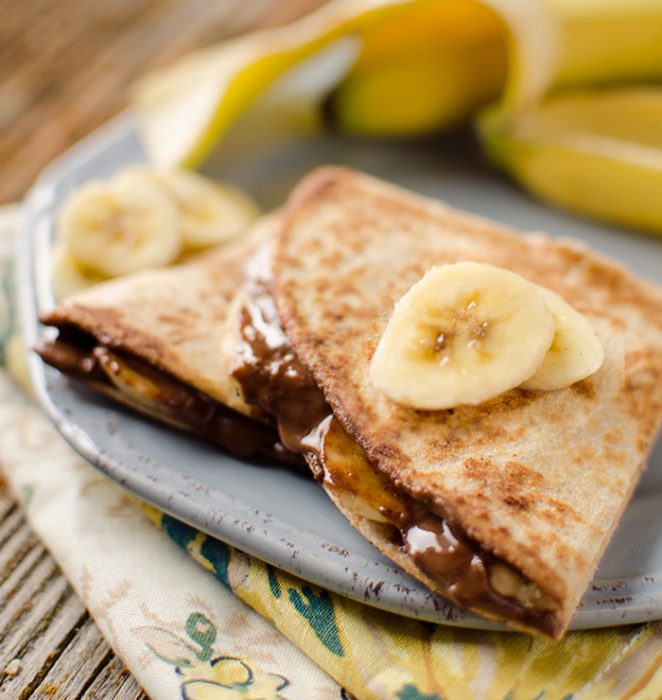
185,109
426,65
595,152
607,41
423,71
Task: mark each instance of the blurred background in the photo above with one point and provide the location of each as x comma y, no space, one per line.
65,66
576,83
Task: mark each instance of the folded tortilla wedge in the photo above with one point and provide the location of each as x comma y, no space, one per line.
505,507
152,342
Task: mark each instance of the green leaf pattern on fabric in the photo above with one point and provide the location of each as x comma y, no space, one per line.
317,608
274,584
218,555
201,630
180,532
213,551
411,692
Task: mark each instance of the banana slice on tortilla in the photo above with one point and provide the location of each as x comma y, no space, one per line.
463,334
119,227
575,353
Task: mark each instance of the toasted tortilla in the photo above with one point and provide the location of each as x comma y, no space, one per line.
172,318
539,479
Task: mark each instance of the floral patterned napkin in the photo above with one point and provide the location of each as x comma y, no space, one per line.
243,630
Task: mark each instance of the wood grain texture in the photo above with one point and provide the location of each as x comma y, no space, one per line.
64,69
49,646
65,66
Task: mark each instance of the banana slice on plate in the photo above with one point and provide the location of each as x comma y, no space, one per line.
463,334
210,213
120,227
68,276
575,353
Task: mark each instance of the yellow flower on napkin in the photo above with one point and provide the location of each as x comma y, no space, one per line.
378,655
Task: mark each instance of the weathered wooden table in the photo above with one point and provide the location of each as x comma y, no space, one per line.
64,69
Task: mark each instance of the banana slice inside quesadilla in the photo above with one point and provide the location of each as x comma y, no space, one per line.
442,553
151,341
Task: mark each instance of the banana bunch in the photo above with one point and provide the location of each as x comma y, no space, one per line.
143,217
435,65
468,332
430,49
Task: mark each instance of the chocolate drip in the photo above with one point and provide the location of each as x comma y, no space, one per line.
269,372
446,555
161,395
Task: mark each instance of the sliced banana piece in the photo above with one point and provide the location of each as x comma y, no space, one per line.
121,226
354,481
210,213
575,353
463,334
68,276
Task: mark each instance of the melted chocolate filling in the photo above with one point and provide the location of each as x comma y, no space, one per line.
446,554
270,374
80,355
272,378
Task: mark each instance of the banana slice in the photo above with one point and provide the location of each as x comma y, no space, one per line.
119,227
463,334
209,213
68,276
575,353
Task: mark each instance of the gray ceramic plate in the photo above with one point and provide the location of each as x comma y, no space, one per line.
276,514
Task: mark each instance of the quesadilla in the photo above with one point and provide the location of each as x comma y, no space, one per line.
504,507
152,340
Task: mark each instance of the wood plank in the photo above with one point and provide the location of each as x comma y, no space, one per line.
114,681
49,646
7,505
18,557
86,664
10,524
39,616
58,95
